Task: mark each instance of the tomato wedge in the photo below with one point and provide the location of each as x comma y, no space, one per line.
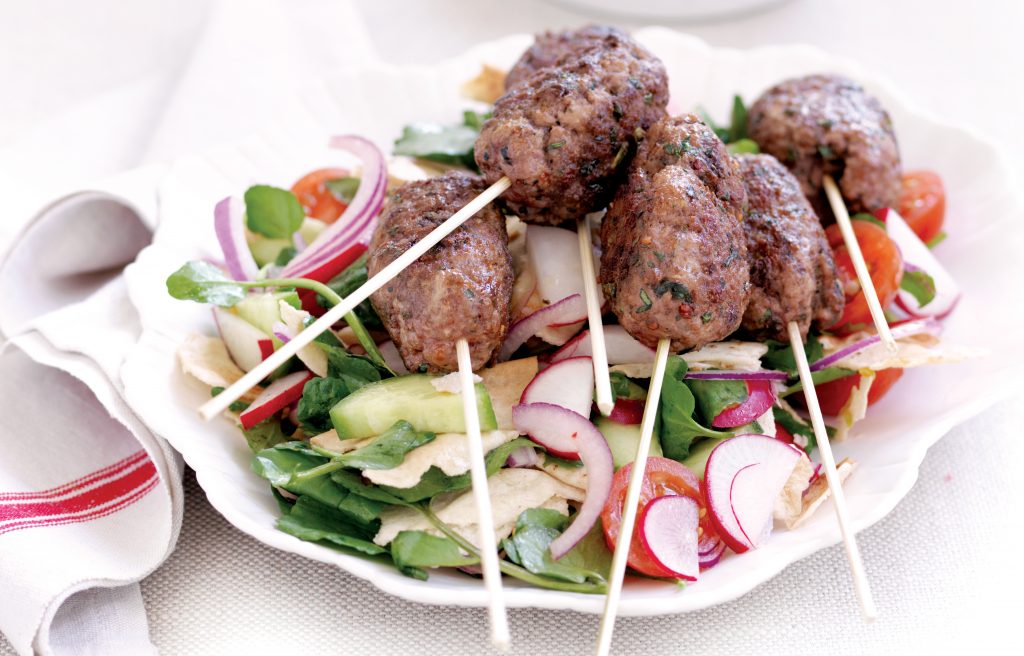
662,477
922,203
885,265
833,395
319,201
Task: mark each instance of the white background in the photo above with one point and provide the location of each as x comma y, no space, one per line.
83,91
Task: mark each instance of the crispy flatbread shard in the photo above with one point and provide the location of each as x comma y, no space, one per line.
511,490
449,452
487,86
331,442
311,355
790,503
818,492
574,476
914,351
733,355
207,360
505,383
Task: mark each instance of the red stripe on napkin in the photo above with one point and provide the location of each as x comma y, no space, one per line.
78,483
107,491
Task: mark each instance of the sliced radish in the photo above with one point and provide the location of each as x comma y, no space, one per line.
279,394
627,411
570,384
527,327
266,348
744,476
622,348
549,424
242,339
918,256
710,558
668,530
760,399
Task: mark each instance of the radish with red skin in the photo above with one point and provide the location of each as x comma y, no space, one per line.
569,383
553,426
760,399
266,348
627,411
279,395
744,476
668,529
620,345
325,273
241,338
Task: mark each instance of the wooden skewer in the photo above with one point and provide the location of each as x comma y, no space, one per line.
835,199
860,579
220,403
599,354
611,604
485,520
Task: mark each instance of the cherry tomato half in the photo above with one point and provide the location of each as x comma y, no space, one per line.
885,265
318,201
833,395
662,477
922,203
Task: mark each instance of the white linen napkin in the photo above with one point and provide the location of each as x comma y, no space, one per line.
90,499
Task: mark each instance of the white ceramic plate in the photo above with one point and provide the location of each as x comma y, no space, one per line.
983,219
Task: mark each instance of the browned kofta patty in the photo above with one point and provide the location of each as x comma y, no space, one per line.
792,274
460,288
828,124
549,47
674,257
563,135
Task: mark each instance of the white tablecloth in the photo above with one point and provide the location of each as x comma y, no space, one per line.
943,564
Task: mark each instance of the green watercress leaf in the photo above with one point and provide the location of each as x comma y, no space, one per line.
204,283
273,212
449,144
870,218
387,450
624,388
529,546
714,396
780,354
743,146
795,427
676,425
937,239
423,550
738,129
820,377
315,522
265,435
318,397
344,189
346,282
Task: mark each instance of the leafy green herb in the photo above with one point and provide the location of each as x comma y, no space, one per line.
419,549
748,146
920,285
282,464
826,152
273,212
315,522
714,396
679,291
388,450
318,397
645,301
285,256
795,427
677,149
555,145
870,218
529,546
265,435
780,354
354,483
204,283
624,388
738,129
452,144
562,462
344,189
937,239
349,280
707,317
676,425
826,375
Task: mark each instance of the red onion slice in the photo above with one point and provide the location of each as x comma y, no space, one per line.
710,559
901,331
546,423
356,222
229,225
525,456
738,375
527,327
281,332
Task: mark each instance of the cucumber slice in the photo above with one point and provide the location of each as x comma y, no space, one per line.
263,310
697,461
374,408
623,440
265,250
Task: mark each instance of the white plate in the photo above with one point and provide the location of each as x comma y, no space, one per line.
983,218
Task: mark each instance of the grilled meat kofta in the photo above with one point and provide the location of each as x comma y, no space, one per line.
550,47
461,288
563,135
674,256
828,124
792,274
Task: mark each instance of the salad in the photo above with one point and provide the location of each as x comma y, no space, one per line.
366,456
